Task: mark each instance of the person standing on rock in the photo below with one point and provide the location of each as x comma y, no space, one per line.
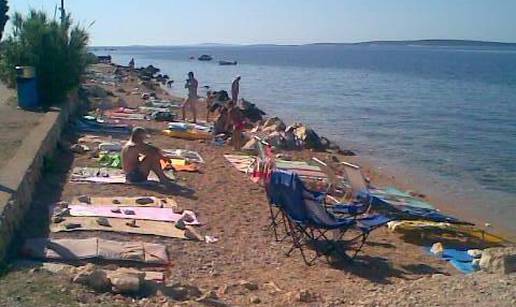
191,99
235,89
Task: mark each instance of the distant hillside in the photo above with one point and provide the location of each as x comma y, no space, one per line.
432,42
422,42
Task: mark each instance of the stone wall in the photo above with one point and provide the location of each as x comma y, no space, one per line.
18,178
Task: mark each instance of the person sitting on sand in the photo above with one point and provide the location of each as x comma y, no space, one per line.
139,158
237,121
235,89
191,99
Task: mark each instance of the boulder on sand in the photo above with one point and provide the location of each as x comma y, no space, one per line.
93,277
126,280
498,260
310,139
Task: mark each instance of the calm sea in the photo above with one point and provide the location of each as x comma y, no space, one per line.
446,115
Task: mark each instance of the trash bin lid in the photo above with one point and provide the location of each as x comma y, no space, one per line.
25,72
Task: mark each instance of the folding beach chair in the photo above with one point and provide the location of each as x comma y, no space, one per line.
359,200
360,193
358,206
309,221
262,170
356,181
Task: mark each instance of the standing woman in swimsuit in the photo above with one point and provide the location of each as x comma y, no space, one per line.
235,89
191,99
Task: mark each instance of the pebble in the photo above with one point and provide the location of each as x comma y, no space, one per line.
254,299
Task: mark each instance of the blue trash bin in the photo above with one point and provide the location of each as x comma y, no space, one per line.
27,87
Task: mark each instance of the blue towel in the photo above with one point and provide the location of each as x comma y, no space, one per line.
460,259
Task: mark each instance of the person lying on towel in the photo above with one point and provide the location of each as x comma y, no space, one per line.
139,158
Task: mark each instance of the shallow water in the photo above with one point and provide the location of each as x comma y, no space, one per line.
446,115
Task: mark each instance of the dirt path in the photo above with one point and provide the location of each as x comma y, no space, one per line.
15,124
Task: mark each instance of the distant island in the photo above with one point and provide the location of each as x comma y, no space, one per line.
430,42
421,42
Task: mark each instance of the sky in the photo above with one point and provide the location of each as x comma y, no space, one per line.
180,22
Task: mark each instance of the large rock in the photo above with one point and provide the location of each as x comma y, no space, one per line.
126,280
498,260
251,112
275,122
90,275
310,139
275,139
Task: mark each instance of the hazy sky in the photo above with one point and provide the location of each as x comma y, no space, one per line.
173,22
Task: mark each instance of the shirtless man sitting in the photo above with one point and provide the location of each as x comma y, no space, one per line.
139,158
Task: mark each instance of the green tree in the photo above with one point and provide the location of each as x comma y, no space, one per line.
58,51
3,15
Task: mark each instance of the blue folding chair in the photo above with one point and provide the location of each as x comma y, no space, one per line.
309,221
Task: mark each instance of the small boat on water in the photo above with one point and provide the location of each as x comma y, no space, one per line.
226,63
192,58
205,57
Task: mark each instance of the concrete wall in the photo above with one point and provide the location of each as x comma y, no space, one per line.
19,177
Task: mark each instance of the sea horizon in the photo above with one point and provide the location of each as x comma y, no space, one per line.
427,41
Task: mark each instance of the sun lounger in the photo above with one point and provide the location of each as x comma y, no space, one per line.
137,213
301,168
309,221
82,249
188,134
402,210
296,165
142,201
162,229
397,197
422,227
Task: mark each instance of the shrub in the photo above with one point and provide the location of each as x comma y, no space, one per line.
3,15
56,49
